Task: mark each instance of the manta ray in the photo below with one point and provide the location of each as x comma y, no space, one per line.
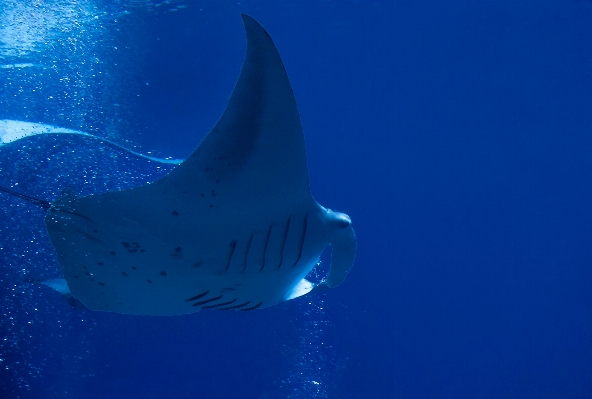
234,226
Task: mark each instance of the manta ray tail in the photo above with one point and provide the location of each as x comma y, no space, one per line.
36,201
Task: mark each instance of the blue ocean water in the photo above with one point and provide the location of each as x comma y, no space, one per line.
456,134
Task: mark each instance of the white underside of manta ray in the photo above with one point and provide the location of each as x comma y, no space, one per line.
233,227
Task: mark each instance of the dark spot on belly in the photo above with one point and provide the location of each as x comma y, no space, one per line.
175,213
92,279
100,264
124,274
197,264
213,193
112,252
101,284
163,273
95,231
211,205
177,254
126,244
87,273
202,195
75,276
149,281
134,268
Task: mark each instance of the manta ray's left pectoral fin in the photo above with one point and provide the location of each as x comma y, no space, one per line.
61,286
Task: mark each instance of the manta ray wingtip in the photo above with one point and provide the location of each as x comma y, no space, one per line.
252,26
247,17
60,286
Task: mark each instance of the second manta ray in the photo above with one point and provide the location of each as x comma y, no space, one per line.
233,227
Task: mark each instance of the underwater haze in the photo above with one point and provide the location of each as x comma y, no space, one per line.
457,135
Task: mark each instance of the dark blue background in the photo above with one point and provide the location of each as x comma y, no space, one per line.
456,134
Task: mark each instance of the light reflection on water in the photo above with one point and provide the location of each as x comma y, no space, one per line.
62,62
33,27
